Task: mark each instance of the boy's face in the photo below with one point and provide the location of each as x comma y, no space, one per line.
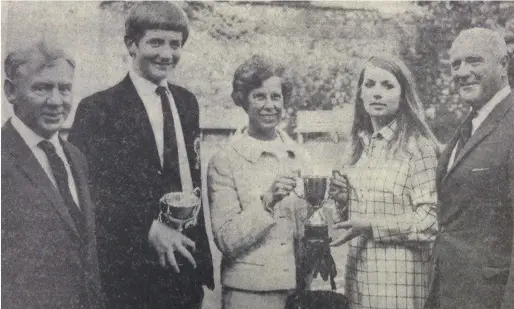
156,54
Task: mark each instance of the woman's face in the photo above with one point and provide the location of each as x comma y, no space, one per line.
380,92
264,108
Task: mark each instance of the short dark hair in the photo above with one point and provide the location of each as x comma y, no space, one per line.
252,73
156,15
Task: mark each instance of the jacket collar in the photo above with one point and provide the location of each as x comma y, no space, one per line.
145,87
251,149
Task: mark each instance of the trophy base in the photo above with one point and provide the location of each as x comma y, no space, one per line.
316,231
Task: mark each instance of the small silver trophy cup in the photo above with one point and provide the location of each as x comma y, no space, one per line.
179,210
316,225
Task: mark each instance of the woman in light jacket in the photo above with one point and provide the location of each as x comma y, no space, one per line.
256,220
389,191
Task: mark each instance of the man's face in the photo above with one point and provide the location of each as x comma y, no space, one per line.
41,95
156,54
476,69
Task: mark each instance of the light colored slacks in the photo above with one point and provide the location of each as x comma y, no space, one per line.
242,299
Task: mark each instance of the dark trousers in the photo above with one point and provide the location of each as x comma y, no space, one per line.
152,287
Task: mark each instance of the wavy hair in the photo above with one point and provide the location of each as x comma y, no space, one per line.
252,73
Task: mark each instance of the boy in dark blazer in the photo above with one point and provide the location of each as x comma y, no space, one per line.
474,265
49,257
131,135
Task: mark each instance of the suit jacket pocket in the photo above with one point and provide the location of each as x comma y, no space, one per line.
498,274
487,180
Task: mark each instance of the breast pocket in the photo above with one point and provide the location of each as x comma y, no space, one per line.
489,181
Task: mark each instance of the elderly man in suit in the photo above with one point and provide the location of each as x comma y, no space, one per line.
48,243
139,138
475,178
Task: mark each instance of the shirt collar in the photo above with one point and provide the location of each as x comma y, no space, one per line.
485,110
251,148
145,87
30,137
387,133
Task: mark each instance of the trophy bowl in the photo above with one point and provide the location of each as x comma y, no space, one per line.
315,188
179,205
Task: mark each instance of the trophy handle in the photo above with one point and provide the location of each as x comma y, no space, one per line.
197,191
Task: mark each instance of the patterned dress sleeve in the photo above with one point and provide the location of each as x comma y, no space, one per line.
420,225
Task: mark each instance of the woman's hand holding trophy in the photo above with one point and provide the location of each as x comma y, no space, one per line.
339,191
281,187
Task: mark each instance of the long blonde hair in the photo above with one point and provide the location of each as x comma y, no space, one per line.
410,116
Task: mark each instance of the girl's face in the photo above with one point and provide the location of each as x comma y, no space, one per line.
380,93
264,109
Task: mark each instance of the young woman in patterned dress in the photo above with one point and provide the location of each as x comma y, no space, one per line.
388,190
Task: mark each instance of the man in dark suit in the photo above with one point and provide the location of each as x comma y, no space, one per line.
475,178
48,243
139,138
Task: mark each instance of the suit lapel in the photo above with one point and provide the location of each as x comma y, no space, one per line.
28,164
442,166
487,127
81,184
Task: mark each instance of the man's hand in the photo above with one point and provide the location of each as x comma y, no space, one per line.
166,241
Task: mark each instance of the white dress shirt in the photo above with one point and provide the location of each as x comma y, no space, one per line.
152,102
482,114
32,140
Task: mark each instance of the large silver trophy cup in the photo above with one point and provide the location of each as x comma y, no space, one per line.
318,259
316,225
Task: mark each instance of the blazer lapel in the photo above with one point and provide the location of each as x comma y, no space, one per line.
27,163
183,112
135,114
487,127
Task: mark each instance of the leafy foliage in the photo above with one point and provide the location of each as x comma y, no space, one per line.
326,48
436,29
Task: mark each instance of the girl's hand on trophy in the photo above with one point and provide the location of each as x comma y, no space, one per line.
338,189
353,227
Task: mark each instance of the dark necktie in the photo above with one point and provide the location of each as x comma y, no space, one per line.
61,179
465,131
170,152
